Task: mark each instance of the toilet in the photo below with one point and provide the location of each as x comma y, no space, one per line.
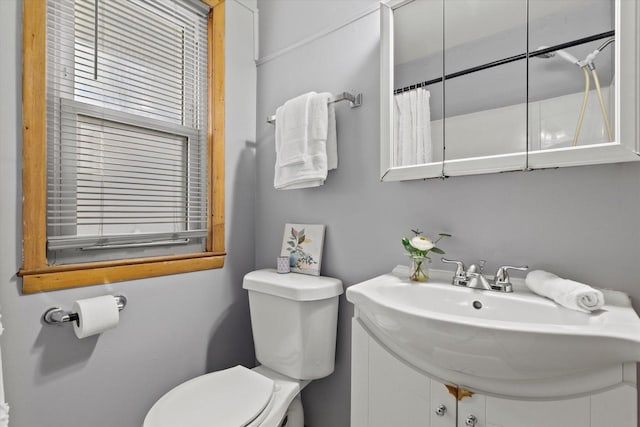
294,322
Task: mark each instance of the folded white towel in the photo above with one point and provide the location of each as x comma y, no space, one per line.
319,124
570,294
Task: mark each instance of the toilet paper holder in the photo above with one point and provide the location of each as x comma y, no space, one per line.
57,316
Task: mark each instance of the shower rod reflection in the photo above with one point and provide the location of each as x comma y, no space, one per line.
539,52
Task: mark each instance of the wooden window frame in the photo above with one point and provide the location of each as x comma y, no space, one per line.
37,275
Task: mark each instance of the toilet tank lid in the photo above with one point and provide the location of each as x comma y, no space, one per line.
293,286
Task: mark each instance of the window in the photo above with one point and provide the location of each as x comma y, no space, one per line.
123,111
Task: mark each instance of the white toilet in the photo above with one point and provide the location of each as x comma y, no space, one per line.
294,321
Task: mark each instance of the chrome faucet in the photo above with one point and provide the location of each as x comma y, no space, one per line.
502,282
474,279
460,276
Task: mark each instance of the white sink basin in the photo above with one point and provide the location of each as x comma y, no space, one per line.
512,340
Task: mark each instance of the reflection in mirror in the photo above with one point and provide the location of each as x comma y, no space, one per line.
571,89
485,86
418,95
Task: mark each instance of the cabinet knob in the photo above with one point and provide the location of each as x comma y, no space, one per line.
471,421
441,410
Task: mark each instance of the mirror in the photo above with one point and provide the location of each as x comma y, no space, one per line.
572,106
418,101
480,86
484,83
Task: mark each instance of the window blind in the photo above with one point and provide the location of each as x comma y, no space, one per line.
126,123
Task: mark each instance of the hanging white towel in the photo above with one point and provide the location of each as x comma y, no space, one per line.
292,129
4,408
570,294
318,145
324,129
412,128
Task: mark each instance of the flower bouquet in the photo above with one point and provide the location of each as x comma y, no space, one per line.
418,248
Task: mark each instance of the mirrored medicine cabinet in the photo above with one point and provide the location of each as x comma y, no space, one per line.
483,86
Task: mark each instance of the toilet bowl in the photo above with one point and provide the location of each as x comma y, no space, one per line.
234,397
294,322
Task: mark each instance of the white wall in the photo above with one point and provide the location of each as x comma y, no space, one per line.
174,327
578,222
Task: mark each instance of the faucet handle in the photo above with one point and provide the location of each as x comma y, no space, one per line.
460,270
502,275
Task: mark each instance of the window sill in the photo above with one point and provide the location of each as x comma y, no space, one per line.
97,273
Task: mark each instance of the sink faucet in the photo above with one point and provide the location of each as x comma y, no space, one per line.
502,281
474,279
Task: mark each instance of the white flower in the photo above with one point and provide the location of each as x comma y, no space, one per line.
421,243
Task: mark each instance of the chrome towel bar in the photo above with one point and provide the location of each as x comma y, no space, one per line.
57,316
354,100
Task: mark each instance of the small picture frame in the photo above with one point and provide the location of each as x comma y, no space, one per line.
302,243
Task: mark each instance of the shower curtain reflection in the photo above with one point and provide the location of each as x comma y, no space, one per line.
412,128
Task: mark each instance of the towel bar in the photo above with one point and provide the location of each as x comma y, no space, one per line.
57,316
354,100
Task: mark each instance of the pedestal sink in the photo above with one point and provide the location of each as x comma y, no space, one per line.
517,344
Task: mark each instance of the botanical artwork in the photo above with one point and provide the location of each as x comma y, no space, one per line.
302,243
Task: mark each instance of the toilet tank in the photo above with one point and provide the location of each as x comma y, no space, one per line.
294,318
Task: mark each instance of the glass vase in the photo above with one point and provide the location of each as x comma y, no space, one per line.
418,269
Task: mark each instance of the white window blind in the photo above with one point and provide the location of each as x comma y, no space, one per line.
126,126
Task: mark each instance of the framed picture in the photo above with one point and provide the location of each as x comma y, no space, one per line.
302,243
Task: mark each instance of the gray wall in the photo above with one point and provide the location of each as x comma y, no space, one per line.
578,222
174,328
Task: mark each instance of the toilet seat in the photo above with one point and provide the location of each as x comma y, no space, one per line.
234,397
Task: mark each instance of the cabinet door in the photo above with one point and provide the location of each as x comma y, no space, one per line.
473,406
518,413
398,396
441,397
613,408
386,392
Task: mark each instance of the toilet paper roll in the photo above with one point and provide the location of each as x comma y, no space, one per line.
95,315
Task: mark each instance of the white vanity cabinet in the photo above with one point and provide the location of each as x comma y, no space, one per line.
387,392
